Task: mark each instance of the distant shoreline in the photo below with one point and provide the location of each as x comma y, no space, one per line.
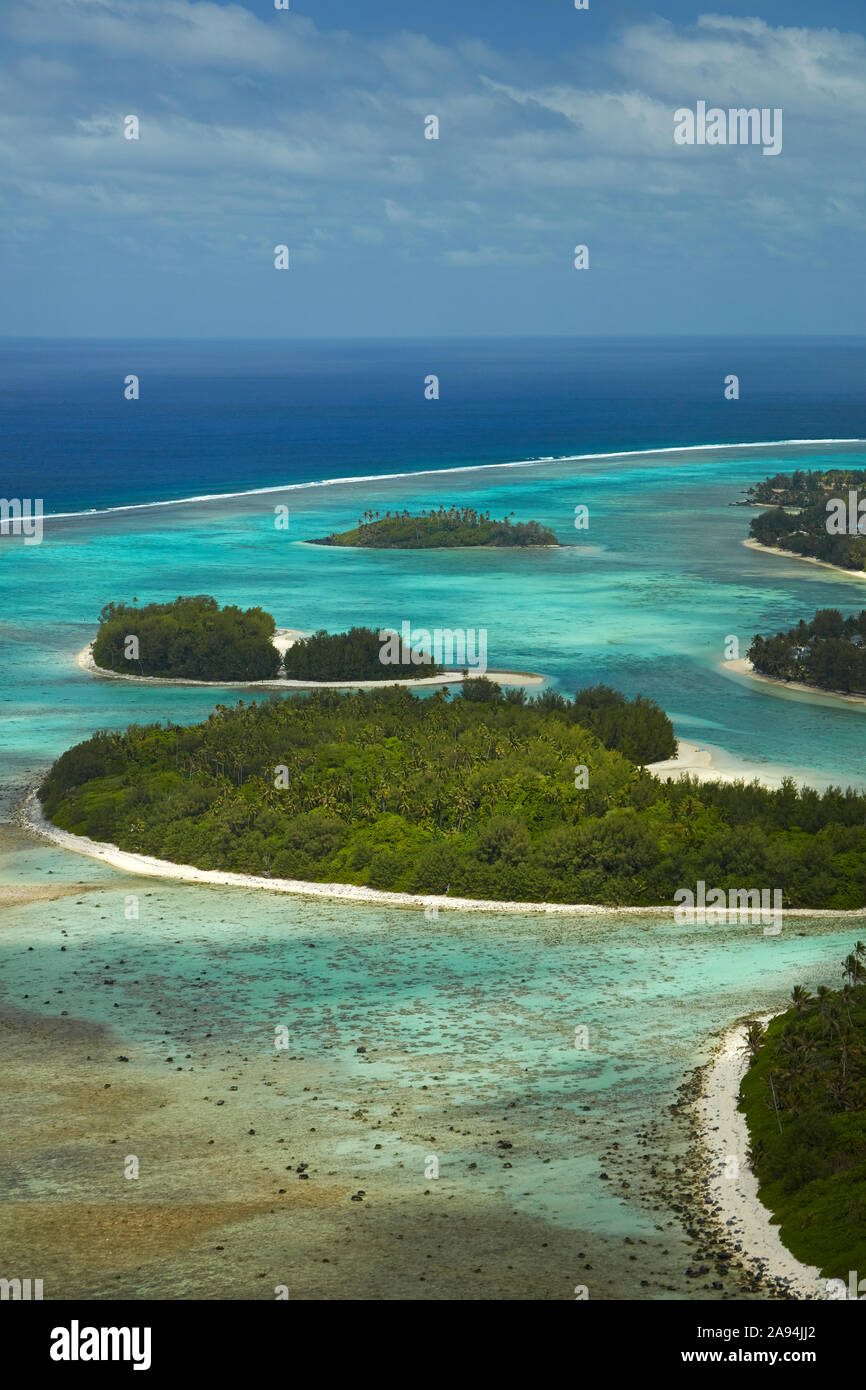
744,667
807,559
284,638
410,549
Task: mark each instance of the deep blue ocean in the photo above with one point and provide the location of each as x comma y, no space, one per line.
222,417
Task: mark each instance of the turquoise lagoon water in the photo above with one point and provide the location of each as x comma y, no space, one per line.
645,600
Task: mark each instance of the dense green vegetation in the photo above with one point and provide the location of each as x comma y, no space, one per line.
191,638
805,487
451,527
636,728
828,652
352,655
485,796
805,530
804,1097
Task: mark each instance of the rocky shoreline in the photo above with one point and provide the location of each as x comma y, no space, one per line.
730,1210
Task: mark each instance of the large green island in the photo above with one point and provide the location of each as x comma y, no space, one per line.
446,528
487,796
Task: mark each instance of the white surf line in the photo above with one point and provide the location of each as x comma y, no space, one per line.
31,816
732,1202
433,472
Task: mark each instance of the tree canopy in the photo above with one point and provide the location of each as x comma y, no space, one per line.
450,527
804,530
804,1097
189,638
352,655
828,652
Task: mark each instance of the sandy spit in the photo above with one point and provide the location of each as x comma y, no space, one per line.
283,639
744,667
806,559
733,1202
32,818
706,764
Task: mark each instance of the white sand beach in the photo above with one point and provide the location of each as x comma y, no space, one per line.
733,1201
708,764
744,667
31,817
286,637
806,559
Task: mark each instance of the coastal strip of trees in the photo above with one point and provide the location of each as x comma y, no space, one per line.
445,528
828,652
805,487
798,519
487,795
189,638
804,1097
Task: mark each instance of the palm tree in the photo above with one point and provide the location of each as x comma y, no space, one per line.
825,998
800,998
753,1038
772,1073
834,1014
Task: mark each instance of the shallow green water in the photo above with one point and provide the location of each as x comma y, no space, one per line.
488,1003
644,601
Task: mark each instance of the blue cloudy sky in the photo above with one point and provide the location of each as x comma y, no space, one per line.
305,127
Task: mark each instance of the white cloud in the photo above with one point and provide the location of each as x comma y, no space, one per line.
250,118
